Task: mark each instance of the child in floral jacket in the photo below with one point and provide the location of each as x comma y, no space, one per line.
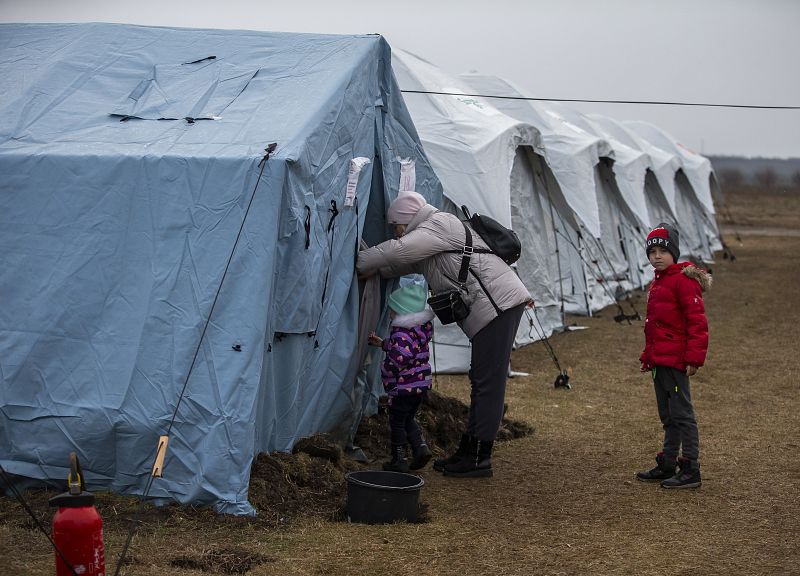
676,341
406,373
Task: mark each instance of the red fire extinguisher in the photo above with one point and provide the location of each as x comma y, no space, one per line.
77,529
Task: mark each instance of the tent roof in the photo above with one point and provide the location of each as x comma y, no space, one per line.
630,164
68,85
663,163
471,144
697,167
570,151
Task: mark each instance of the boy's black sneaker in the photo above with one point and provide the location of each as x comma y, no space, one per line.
664,469
688,476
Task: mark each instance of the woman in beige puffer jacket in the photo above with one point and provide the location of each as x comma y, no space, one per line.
496,296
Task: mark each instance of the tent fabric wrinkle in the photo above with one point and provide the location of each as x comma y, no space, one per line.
197,90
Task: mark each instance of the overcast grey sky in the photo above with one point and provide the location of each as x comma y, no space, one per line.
713,51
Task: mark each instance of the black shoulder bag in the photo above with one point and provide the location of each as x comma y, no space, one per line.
449,306
502,242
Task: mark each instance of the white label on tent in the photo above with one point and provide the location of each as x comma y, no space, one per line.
472,102
356,164
408,175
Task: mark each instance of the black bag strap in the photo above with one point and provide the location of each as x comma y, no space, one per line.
466,256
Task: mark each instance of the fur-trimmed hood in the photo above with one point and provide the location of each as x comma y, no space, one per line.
703,277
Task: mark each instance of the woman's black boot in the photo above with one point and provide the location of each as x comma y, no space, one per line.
440,463
476,463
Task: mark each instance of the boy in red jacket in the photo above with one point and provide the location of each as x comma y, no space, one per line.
676,341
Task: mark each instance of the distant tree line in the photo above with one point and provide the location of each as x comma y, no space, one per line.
765,178
761,173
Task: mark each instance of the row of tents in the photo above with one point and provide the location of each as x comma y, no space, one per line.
180,213
581,191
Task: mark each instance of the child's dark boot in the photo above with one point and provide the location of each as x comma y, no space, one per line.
440,463
475,463
664,469
421,456
687,476
398,463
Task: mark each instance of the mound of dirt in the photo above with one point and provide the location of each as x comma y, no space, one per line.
310,481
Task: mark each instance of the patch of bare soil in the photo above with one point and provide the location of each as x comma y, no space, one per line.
220,561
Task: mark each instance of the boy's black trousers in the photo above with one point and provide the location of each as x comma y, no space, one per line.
674,400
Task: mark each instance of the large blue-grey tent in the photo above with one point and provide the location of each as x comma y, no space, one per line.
160,273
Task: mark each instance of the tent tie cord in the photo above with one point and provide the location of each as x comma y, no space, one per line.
593,264
331,231
622,316
307,226
334,210
558,254
201,60
279,336
151,477
358,236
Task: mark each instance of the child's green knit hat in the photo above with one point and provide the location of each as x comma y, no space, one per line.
408,299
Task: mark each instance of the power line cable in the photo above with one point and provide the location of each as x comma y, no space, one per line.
646,102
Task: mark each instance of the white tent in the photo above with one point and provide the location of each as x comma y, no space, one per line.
624,216
693,200
581,162
481,158
660,167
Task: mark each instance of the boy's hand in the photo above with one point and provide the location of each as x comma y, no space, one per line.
691,370
374,339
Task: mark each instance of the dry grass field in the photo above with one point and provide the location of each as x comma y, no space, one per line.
563,500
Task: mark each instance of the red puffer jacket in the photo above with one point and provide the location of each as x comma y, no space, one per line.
676,328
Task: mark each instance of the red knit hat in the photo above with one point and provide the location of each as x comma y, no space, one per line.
665,236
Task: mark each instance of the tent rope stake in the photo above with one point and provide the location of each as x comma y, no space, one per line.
158,461
562,379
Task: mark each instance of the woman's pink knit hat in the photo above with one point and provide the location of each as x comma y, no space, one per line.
403,209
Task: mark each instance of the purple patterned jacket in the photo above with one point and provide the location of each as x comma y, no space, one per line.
406,368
